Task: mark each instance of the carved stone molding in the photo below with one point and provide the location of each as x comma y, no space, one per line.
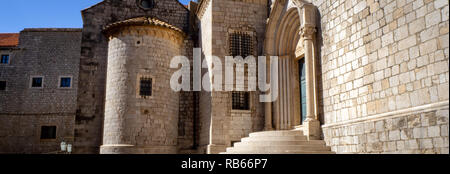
307,32
202,8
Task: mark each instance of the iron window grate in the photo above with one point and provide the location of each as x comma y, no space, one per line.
145,87
241,100
241,44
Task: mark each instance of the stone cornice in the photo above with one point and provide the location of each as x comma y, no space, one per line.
301,3
140,21
52,30
202,8
392,114
10,48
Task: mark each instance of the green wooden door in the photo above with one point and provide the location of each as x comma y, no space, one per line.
301,64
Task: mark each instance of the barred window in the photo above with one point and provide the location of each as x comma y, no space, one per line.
48,132
241,45
145,89
241,100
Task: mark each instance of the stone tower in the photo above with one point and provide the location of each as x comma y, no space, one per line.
141,112
91,109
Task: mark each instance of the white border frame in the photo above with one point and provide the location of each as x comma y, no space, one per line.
71,82
31,82
9,59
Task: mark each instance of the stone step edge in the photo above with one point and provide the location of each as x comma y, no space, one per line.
285,152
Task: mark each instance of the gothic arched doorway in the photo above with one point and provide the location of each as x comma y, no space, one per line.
290,35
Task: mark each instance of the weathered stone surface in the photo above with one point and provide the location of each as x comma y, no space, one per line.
146,124
381,70
47,53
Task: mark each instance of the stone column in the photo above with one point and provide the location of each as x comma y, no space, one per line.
268,105
308,30
268,117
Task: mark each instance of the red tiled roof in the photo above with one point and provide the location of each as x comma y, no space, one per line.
9,39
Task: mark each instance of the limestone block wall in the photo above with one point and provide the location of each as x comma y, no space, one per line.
94,51
243,123
188,112
188,123
49,53
205,29
385,75
250,16
136,124
20,134
218,19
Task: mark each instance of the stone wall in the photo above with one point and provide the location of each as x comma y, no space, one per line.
188,111
50,53
249,17
188,131
217,20
20,134
385,74
383,79
94,50
421,131
205,40
136,124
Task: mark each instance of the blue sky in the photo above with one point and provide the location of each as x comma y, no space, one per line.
19,14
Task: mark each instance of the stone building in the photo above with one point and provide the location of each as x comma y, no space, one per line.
354,76
38,93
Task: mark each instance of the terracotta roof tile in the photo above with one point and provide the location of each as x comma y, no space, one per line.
9,39
140,21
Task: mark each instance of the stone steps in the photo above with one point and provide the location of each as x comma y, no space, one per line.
277,133
282,147
278,152
279,142
275,138
291,142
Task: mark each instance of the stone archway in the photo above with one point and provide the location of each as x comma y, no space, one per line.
290,35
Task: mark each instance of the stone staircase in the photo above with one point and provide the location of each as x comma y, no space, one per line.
279,142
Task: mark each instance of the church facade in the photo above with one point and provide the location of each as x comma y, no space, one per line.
353,76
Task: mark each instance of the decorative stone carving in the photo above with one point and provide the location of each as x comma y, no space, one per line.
307,32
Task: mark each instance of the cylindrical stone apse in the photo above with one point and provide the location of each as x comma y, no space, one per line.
141,110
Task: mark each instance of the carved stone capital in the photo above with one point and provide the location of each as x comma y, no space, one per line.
307,32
